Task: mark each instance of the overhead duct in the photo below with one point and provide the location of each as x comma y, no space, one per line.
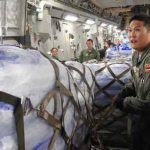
53,4
71,18
40,9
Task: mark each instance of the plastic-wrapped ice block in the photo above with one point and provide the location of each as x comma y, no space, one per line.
110,79
29,74
119,50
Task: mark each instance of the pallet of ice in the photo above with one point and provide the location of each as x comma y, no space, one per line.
119,50
27,73
110,80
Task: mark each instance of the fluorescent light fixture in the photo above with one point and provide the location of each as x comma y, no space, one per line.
110,26
72,18
103,25
90,22
115,27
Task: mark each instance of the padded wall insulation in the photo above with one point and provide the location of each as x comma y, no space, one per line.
12,17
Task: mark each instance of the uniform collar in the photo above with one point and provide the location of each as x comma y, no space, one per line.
54,57
91,50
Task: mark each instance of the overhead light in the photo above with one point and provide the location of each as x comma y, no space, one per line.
103,25
110,26
72,18
115,27
89,21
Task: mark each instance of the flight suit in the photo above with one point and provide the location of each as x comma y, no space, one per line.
86,55
136,100
54,57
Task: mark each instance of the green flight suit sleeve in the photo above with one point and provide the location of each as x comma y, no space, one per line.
136,105
129,90
139,105
97,55
81,57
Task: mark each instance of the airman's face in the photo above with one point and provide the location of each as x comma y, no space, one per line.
139,35
55,52
106,44
89,45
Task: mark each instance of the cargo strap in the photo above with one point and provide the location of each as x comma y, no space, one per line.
67,92
107,112
89,114
115,78
89,120
104,116
68,140
41,108
100,89
83,77
18,113
81,74
62,89
57,124
54,138
41,111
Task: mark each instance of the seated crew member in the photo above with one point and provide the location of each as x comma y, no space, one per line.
89,53
54,53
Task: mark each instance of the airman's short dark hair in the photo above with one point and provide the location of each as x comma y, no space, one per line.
142,17
53,49
89,40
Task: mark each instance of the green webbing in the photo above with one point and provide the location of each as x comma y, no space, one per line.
18,113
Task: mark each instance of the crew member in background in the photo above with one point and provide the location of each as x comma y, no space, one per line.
89,53
54,53
135,97
108,45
